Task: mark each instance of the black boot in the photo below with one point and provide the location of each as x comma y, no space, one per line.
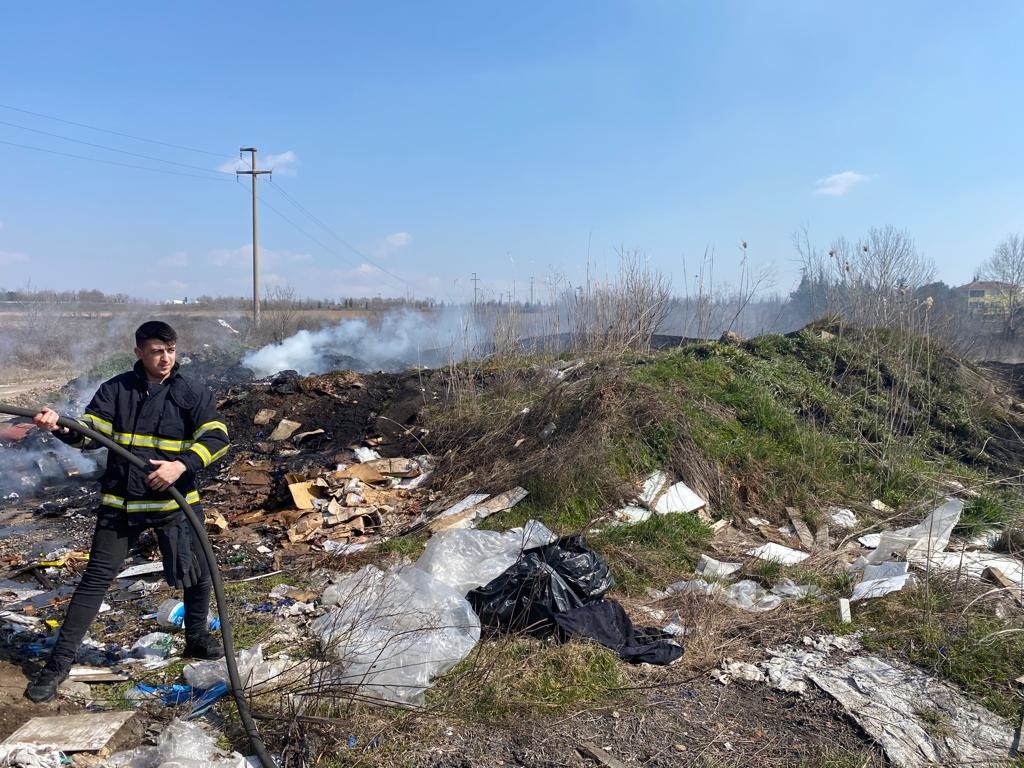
203,646
44,685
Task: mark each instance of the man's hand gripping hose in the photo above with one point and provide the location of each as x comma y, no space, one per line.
199,527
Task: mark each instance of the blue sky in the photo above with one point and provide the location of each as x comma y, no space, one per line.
513,139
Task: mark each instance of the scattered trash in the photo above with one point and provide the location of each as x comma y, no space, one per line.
880,506
844,611
71,733
632,514
744,595
803,531
284,429
918,542
660,495
263,417
887,699
842,517
778,553
393,631
870,540
880,580
471,515
606,623
788,588
144,569
181,745
29,756
364,455
466,558
545,580
171,613
709,568
678,499
203,675
155,644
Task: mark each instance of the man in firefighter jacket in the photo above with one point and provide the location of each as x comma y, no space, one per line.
172,422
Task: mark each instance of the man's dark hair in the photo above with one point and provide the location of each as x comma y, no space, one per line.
154,329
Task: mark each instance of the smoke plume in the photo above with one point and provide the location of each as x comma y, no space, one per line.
398,341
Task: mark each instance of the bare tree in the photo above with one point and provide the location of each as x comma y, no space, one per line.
1006,266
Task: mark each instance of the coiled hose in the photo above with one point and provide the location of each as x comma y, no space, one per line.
199,527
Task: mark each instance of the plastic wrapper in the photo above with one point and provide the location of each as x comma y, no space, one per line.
467,558
746,595
206,674
789,588
919,542
392,632
180,745
154,645
547,580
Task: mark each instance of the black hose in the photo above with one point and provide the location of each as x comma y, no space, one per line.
199,526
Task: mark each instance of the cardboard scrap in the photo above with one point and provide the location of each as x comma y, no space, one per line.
305,528
303,491
285,429
255,477
263,417
71,733
362,472
215,521
395,467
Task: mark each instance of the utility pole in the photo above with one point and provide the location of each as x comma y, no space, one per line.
531,290
255,246
475,281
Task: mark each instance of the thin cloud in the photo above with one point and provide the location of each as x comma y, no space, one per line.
283,163
838,184
398,239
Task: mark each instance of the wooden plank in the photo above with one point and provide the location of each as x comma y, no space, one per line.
71,733
821,541
996,576
803,532
590,749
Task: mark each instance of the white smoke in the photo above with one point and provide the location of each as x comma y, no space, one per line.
400,340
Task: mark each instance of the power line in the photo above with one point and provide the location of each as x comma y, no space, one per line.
110,149
113,162
277,212
114,133
336,236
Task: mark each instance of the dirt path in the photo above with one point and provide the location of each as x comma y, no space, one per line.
15,709
28,393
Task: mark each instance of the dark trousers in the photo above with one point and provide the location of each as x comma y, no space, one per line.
113,539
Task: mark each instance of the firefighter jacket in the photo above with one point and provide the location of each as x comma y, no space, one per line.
176,420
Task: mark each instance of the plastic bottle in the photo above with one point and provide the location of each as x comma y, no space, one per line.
171,613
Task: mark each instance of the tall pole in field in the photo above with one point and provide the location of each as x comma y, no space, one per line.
255,242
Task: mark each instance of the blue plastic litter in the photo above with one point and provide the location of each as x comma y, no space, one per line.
169,695
207,699
351,742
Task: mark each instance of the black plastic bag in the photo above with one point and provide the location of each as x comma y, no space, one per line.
606,623
545,581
